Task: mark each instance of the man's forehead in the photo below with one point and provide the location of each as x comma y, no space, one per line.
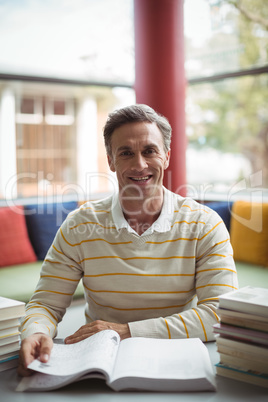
138,126
143,133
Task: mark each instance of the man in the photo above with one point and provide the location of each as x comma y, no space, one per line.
152,263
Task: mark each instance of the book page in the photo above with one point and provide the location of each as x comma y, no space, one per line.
97,352
163,359
46,382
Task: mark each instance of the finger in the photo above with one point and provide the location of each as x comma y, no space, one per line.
26,356
28,352
46,345
33,347
82,333
78,337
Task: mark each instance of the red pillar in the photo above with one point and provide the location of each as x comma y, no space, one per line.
160,78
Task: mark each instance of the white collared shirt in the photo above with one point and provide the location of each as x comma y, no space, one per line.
161,225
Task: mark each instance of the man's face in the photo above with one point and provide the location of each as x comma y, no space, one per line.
139,159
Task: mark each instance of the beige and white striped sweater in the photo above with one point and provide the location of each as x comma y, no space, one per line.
165,285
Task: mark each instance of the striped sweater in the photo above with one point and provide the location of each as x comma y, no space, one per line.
164,284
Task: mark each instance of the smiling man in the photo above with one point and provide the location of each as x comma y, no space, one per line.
153,263
139,158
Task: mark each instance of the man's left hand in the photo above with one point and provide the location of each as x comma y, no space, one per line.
96,326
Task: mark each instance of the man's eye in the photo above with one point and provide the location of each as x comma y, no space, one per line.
149,151
125,153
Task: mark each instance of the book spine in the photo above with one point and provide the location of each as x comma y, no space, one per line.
240,375
240,354
243,307
9,359
244,364
244,324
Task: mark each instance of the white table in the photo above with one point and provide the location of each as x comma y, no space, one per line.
227,391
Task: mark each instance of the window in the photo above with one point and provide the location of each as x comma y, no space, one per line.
54,145
45,145
51,125
227,95
59,112
29,110
56,128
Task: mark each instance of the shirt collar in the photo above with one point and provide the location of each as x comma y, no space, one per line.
161,225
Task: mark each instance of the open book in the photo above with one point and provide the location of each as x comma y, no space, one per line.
132,364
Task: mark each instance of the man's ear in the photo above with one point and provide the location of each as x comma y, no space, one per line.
166,165
111,163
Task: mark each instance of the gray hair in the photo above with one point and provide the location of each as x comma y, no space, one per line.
135,114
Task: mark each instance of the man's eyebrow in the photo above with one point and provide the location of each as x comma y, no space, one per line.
129,148
152,145
124,148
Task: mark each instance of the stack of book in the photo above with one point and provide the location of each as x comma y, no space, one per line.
10,313
242,340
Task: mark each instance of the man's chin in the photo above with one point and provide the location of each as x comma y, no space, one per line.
140,191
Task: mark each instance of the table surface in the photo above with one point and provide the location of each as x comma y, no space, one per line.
227,390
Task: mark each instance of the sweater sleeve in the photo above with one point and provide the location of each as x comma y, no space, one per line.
59,277
215,274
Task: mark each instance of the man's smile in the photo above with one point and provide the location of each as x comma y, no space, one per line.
141,178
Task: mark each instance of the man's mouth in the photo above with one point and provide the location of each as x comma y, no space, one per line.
141,178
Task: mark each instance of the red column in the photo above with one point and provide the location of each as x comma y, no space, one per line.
160,78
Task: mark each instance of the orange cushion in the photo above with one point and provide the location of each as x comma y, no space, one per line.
249,232
15,246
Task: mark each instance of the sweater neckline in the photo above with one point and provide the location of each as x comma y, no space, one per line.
135,238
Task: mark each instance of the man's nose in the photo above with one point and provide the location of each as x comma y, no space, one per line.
139,162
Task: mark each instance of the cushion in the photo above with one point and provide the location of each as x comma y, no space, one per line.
43,221
24,279
80,203
15,246
249,232
223,209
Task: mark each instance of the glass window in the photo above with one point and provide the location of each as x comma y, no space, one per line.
83,39
221,37
51,134
59,107
27,106
227,95
55,144
227,130
45,151
56,129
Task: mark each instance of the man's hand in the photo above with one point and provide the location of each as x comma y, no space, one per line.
96,326
35,346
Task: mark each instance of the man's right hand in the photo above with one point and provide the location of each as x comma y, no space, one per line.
35,346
